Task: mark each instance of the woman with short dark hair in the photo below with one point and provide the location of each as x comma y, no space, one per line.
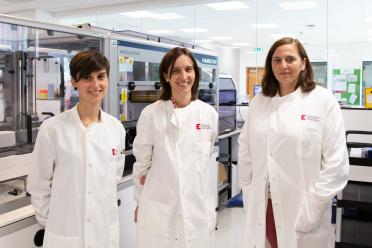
77,160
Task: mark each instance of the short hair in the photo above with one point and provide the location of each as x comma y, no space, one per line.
167,64
86,62
270,85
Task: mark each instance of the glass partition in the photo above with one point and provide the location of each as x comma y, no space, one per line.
34,80
335,32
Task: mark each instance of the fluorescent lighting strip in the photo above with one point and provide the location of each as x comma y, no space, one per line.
149,14
298,5
228,5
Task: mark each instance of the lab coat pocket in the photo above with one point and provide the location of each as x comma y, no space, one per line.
202,153
310,143
53,240
154,217
310,214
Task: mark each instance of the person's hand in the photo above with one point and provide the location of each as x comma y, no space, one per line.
142,180
135,214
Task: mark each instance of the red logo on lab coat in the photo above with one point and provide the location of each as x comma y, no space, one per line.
303,117
198,126
115,151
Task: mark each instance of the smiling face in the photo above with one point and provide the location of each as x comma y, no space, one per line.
182,77
287,64
92,88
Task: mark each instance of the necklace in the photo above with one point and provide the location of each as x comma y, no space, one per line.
174,102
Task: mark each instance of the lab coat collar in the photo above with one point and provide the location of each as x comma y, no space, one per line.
77,119
176,122
278,100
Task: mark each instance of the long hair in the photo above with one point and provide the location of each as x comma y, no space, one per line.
167,64
270,85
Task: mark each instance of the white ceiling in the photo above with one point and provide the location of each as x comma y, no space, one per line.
335,21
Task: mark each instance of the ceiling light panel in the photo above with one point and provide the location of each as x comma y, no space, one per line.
149,14
228,5
298,5
140,14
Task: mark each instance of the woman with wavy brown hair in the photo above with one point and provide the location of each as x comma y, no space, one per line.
292,155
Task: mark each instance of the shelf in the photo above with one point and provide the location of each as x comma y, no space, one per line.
232,133
54,99
360,161
223,187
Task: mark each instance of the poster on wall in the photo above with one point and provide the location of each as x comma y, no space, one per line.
346,86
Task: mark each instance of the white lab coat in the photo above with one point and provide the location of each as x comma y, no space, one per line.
173,147
73,180
296,143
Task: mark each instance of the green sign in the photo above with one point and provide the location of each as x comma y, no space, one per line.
346,86
258,49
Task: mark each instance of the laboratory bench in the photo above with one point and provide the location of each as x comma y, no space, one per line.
354,203
18,224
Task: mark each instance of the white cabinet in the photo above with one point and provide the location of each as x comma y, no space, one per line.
19,234
126,215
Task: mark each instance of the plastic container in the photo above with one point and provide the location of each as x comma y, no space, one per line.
43,94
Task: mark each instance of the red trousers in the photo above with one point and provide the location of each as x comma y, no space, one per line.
270,226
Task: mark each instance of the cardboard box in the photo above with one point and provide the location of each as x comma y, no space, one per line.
222,174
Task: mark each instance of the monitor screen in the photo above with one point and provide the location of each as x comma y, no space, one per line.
227,110
139,71
227,97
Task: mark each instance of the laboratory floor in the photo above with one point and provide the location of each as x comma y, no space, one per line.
230,232
230,223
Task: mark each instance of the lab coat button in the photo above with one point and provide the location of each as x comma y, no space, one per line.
88,220
90,165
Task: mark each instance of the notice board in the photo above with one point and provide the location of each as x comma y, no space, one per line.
346,86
